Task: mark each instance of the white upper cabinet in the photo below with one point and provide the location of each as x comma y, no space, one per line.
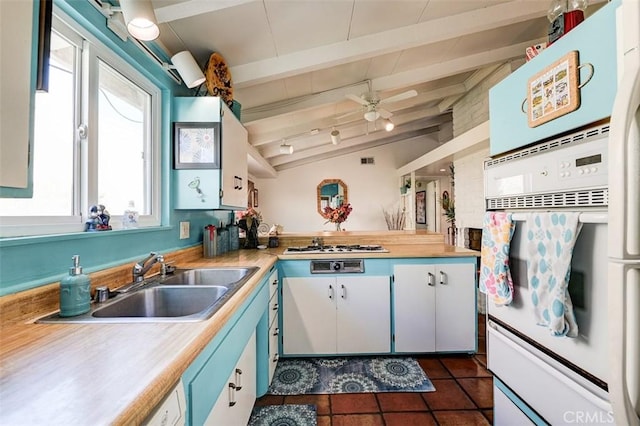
212,188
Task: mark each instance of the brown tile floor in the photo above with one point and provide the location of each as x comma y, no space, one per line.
463,396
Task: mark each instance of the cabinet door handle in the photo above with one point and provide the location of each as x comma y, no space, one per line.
232,394
240,187
431,279
276,357
275,282
238,379
276,331
344,291
330,291
275,307
442,278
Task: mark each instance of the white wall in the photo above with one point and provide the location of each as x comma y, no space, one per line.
290,199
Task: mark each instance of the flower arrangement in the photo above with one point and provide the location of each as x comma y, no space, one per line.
337,215
248,216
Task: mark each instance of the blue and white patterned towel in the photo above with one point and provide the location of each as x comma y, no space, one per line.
550,238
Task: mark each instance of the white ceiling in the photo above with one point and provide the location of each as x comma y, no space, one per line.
293,61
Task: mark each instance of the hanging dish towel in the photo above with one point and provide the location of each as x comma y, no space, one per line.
550,238
495,276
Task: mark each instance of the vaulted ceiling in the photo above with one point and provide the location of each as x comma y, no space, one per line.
298,66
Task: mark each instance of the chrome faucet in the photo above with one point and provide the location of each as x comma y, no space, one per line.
142,267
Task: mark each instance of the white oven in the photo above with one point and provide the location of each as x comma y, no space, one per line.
561,379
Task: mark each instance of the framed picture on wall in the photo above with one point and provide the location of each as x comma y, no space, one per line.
421,207
196,145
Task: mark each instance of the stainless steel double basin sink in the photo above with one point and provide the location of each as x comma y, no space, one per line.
187,295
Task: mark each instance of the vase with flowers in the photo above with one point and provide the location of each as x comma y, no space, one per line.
249,221
337,215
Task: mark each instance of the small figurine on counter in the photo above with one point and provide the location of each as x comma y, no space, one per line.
98,219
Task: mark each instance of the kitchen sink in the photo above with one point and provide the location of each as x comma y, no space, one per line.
187,295
164,302
209,276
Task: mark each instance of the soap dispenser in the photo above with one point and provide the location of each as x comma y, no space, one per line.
75,296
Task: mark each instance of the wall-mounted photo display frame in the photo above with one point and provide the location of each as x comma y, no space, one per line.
196,145
555,90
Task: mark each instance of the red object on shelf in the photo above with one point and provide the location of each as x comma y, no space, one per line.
572,19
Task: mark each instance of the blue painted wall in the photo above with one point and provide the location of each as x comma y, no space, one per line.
30,262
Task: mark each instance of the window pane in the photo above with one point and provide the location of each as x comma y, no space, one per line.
53,169
123,142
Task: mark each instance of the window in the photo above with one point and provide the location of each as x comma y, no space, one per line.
96,141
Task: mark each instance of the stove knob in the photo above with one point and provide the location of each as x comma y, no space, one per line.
335,266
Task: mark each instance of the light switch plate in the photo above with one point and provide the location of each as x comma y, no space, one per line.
184,230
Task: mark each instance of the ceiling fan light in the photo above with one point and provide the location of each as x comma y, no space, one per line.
371,115
140,19
335,137
388,125
286,149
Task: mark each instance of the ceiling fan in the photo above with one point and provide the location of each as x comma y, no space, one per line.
371,102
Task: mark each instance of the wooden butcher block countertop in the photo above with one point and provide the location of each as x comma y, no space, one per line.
95,374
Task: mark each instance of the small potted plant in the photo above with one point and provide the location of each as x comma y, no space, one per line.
406,187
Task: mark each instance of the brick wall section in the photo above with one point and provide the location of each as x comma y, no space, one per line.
468,112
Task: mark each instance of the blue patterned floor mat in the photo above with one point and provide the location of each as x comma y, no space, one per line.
298,376
284,415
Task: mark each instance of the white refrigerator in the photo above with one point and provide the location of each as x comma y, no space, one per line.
624,223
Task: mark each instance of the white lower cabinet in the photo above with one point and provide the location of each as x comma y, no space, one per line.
274,331
234,405
336,315
434,307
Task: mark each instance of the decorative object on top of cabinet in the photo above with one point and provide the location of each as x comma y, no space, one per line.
219,79
563,16
331,193
196,145
554,91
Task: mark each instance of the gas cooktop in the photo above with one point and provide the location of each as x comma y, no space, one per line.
352,248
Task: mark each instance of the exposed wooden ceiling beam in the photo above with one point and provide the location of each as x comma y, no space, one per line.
192,8
433,31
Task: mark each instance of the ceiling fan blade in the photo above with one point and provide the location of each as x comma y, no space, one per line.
384,113
357,99
400,96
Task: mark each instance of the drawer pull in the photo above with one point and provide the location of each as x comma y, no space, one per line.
238,379
232,394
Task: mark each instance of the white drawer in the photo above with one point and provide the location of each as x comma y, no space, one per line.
273,309
274,336
556,393
273,284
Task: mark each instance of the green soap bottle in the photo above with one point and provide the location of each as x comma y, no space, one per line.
75,295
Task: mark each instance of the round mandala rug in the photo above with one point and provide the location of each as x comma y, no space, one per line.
352,383
284,415
397,372
297,377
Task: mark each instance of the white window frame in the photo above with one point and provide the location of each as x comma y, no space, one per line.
85,150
